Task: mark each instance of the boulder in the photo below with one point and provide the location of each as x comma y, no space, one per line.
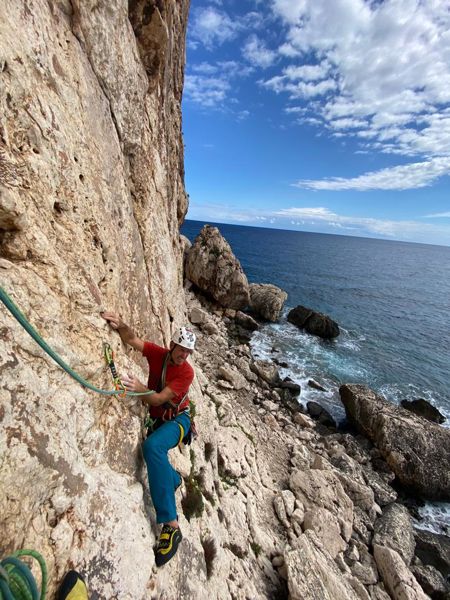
433,549
320,414
383,492
424,409
294,388
246,321
431,581
213,268
417,450
398,579
233,376
267,371
312,573
394,530
314,489
313,384
267,300
198,316
327,529
313,322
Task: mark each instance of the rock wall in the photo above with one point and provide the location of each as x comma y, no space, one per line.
91,198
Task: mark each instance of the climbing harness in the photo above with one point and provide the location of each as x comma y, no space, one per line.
16,579
171,411
20,317
109,357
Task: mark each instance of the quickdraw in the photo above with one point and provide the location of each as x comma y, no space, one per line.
109,357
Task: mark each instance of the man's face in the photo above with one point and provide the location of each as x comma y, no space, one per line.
180,354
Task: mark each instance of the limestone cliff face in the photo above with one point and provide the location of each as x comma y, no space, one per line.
91,198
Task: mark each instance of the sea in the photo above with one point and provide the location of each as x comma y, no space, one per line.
392,303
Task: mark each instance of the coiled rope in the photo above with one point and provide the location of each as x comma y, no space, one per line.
16,579
17,314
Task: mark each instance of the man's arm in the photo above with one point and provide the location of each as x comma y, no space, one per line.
127,335
133,384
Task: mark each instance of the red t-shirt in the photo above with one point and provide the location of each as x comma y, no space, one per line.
178,377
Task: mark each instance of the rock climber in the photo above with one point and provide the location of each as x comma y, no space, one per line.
169,421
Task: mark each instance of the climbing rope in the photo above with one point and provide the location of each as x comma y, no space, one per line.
16,579
17,314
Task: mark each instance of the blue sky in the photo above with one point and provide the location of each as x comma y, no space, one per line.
319,115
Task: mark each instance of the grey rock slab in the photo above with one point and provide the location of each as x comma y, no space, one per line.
417,450
394,529
398,579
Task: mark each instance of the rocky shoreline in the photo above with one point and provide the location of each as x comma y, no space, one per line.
319,513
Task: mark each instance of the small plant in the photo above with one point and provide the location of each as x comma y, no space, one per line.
192,409
256,549
210,552
227,479
192,502
209,449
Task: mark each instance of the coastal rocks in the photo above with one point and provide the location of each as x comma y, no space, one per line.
313,384
318,488
213,268
321,579
267,371
424,409
326,526
246,321
394,530
313,322
398,579
432,582
284,505
320,414
237,380
416,450
433,549
267,300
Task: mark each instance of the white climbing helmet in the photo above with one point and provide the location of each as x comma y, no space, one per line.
184,337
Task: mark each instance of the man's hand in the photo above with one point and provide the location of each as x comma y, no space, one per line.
133,384
114,320
127,335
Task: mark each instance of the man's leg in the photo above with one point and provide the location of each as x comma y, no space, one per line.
163,480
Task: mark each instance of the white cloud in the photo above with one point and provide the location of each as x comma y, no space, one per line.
307,72
206,91
390,62
300,89
211,27
209,85
257,53
438,215
415,175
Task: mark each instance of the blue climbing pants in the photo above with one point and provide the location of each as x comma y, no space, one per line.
163,479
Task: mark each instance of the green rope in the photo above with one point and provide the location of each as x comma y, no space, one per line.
17,314
16,579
